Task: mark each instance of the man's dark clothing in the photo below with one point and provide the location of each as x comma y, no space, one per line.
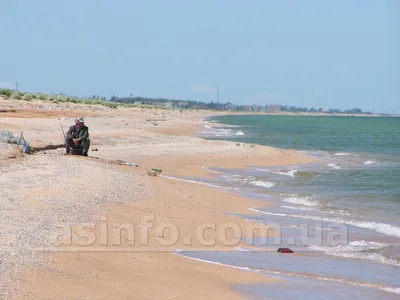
82,134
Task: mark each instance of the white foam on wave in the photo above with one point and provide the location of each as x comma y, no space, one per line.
240,249
194,181
355,246
213,262
376,257
334,166
336,212
209,170
391,289
266,213
290,173
378,227
357,250
342,154
306,201
297,208
221,132
369,162
262,183
325,211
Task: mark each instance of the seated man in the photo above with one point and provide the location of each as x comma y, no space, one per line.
78,137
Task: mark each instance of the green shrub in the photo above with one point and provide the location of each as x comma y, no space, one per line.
16,96
110,105
6,92
43,97
27,97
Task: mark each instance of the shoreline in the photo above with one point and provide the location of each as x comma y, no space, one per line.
184,204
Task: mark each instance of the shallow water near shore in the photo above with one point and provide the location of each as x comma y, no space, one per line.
352,191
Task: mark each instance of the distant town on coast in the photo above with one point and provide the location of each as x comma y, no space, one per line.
171,103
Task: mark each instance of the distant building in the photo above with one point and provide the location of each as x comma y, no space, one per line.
274,107
182,104
257,108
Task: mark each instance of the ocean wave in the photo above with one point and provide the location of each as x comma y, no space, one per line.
336,212
290,173
306,201
209,170
387,288
194,181
221,132
342,154
334,166
266,213
240,249
355,246
262,183
376,257
297,208
392,290
325,211
357,250
378,227
369,162
212,262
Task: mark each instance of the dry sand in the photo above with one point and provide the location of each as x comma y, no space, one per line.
42,191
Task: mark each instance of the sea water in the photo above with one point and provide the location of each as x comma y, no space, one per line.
349,198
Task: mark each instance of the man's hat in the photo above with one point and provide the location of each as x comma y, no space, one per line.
81,120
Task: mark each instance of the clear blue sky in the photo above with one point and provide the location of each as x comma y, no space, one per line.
340,54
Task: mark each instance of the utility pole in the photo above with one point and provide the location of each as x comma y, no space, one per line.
217,93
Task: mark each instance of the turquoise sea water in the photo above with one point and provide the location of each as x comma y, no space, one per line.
362,153
380,135
354,185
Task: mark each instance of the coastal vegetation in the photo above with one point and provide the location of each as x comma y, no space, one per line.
133,101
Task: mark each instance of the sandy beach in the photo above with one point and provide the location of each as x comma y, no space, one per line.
46,191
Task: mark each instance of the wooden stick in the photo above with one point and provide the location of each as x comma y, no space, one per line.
20,137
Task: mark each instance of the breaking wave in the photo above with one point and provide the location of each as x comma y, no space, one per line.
290,173
378,227
334,166
220,132
262,183
357,250
194,181
325,211
306,201
387,288
342,154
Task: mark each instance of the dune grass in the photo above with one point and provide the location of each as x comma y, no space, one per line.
26,96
